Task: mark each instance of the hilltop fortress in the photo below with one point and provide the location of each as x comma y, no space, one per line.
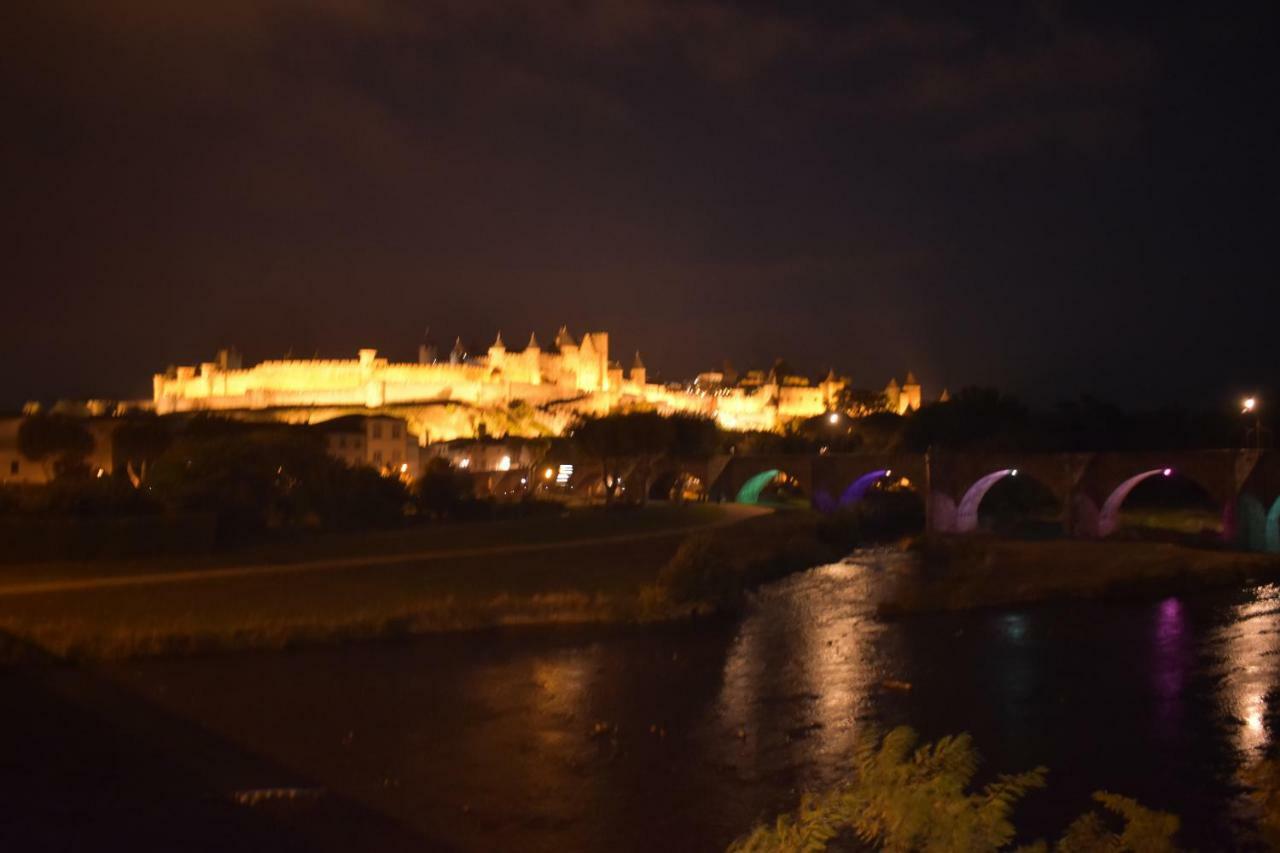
529,392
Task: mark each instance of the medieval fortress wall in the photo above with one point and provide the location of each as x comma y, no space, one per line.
443,400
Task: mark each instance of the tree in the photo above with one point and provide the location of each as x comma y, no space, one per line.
641,439
442,489
138,442
59,443
271,477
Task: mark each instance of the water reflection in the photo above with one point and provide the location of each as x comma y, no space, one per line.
1171,660
1250,668
800,672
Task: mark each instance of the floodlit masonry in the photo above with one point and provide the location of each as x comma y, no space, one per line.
533,391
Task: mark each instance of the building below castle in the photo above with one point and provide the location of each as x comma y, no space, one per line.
528,392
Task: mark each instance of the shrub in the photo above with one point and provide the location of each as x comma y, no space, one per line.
702,570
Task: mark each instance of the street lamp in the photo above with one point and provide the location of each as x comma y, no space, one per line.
833,418
1249,406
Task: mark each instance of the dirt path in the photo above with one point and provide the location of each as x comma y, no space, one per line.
732,516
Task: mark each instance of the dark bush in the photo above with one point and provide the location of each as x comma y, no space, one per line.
702,570
272,479
445,492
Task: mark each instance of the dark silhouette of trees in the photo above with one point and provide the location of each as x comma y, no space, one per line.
59,443
138,442
640,439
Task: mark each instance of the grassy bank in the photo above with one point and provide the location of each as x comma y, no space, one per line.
586,567
954,573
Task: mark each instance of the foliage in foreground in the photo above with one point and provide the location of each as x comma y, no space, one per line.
906,796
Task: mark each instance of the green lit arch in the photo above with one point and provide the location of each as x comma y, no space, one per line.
750,491
1271,535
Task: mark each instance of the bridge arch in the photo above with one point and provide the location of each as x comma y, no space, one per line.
1109,515
759,485
857,490
677,483
966,519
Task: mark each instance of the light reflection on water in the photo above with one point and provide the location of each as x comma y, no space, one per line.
801,671
494,741
1250,668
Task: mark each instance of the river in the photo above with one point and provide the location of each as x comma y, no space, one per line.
681,737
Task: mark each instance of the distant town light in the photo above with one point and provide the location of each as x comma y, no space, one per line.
564,475
1013,473
548,474
404,467
834,417
1250,403
504,464
464,462
1168,472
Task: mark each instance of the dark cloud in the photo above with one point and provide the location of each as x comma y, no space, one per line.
873,186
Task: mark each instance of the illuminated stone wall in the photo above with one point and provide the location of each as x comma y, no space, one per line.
527,392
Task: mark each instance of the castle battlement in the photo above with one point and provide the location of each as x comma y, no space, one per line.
572,377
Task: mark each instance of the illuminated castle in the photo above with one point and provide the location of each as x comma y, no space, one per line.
533,391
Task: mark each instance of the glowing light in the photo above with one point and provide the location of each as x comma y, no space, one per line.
1250,403
888,472
548,474
1013,473
464,463
100,473
404,467
566,472
504,464
833,418
1168,472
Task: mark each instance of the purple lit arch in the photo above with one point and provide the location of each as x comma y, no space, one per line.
967,512
1109,518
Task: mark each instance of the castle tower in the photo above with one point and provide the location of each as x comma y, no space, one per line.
638,374
893,396
532,356
589,375
910,393
459,353
831,386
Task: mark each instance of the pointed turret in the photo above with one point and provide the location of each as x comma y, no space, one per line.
910,393
459,353
638,374
497,343
533,341
564,339
945,396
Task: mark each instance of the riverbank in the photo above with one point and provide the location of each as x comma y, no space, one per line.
585,567
954,573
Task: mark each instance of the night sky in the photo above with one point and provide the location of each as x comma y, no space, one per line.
1051,198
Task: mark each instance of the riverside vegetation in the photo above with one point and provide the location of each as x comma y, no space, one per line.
906,796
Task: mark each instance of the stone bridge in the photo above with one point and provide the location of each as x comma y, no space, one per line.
1090,487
